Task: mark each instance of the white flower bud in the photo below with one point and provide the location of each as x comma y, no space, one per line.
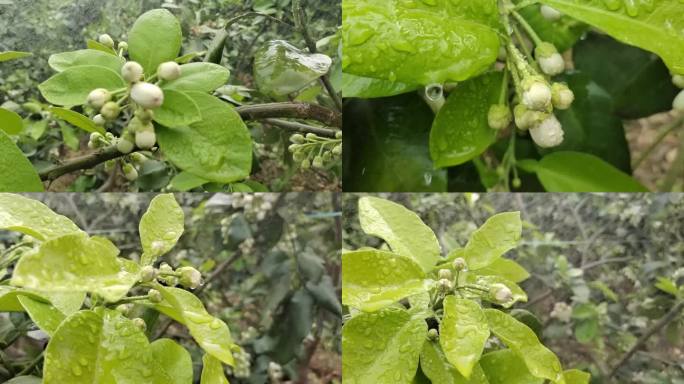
444,285
189,277
140,323
561,96
155,296
549,13
445,274
337,150
99,120
107,40
147,274
526,118
147,95
110,110
550,61
130,172
132,72
145,115
297,139
433,334
501,293
548,133
98,97
146,137
123,45
169,70
678,103
460,264
499,116
317,162
537,95
678,80
124,146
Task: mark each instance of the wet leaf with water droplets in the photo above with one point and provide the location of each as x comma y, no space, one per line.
505,367
506,268
382,347
499,234
100,347
46,316
461,130
373,279
160,227
463,333
575,376
210,332
174,360
436,367
77,263
31,217
522,340
654,26
401,228
212,371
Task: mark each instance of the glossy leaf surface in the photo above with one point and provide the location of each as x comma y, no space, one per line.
33,218
499,234
212,371
178,110
72,86
463,333
46,317
10,122
155,38
18,172
506,367
65,60
506,268
173,359
435,366
369,88
160,227
200,77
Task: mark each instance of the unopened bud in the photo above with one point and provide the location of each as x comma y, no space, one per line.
500,293
561,96
445,274
499,116
433,334
678,103
445,285
148,96
549,133
132,72
189,277
297,139
155,296
98,97
140,323
537,94
678,80
110,110
107,40
550,14
130,172
169,70
147,274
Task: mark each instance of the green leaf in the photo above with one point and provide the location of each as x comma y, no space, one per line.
368,88
10,122
522,340
154,39
562,33
589,125
178,110
506,367
668,286
186,181
77,120
9,301
12,55
382,347
218,148
211,333
579,172
173,359
33,218
638,81
76,263
419,42
18,174
46,317
461,131
647,25
25,380
160,227
499,234
435,366
65,60
390,138
200,77
463,333
401,229
100,347
374,279
325,294
575,376
506,268
97,46
67,303
518,293
69,136
212,371
72,86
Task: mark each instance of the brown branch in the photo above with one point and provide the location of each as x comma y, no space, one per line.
292,110
299,127
649,332
83,162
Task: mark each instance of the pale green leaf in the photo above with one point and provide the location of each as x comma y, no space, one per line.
160,227
506,268
9,301
506,367
463,333
25,380
65,60
76,263
401,229
46,317
154,39
212,371
368,88
33,218
76,119
10,122
200,77
178,110
435,366
67,302
12,55
654,26
97,46
173,359
218,148
540,361
72,86
186,181
100,347
668,286
499,234
575,376
16,171
210,332
382,347
374,279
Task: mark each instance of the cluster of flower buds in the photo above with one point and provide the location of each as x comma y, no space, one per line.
255,206
188,277
313,150
243,364
678,103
